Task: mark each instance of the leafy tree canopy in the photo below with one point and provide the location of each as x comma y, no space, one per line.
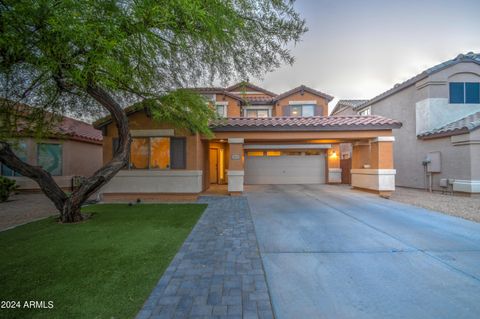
50,51
65,56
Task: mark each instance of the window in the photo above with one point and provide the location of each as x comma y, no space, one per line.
221,110
49,157
302,110
472,92
20,150
257,113
139,153
274,153
254,153
366,111
313,152
464,92
158,153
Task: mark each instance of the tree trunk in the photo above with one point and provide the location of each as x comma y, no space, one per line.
42,177
69,207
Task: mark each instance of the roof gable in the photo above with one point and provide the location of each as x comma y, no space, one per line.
343,104
303,88
247,86
469,57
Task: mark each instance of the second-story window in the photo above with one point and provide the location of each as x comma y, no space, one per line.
221,110
366,111
464,92
257,113
302,110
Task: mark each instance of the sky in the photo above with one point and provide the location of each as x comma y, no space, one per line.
359,49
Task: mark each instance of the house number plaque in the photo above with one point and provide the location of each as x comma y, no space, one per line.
235,157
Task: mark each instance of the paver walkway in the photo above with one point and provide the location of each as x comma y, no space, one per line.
218,272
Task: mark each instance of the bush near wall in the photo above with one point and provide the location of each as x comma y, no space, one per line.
7,187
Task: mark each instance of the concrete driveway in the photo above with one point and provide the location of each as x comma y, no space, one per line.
330,252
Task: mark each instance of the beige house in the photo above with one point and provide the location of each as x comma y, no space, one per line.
259,138
440,137
74,150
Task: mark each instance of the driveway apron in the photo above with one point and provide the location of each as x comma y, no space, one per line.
330,252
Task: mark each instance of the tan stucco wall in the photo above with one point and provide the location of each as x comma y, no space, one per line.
457,161
233,106
78,159
281,104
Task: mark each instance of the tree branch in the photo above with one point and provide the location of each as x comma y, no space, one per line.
39,175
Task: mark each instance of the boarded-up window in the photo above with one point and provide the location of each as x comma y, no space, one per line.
157,153
160,152
139,153
49,157
178,152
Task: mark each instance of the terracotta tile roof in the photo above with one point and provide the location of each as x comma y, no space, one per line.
67,127
342,104
79,130
306,89
462,126
469,57
313,123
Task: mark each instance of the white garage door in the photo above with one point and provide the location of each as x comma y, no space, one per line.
288,169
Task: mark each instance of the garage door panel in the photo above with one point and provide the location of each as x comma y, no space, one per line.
285,169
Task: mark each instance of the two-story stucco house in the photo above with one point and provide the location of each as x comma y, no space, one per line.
440,135
260,138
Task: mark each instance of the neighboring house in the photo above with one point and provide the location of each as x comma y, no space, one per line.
260,138
74,149
345,107
439,111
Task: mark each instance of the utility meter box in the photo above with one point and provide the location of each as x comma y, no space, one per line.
435,162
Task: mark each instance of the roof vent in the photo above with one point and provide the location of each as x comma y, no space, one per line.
396,85
459,57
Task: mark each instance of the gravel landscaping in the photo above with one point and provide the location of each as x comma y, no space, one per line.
460,206
23,208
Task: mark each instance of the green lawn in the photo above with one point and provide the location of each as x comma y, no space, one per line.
102,268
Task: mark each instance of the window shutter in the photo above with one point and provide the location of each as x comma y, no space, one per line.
178,152
318,110
286,110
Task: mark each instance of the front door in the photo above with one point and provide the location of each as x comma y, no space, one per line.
213,158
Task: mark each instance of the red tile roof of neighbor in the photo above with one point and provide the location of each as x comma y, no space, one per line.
313,123
79,130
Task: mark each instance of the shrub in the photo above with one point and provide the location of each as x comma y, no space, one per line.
7,186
